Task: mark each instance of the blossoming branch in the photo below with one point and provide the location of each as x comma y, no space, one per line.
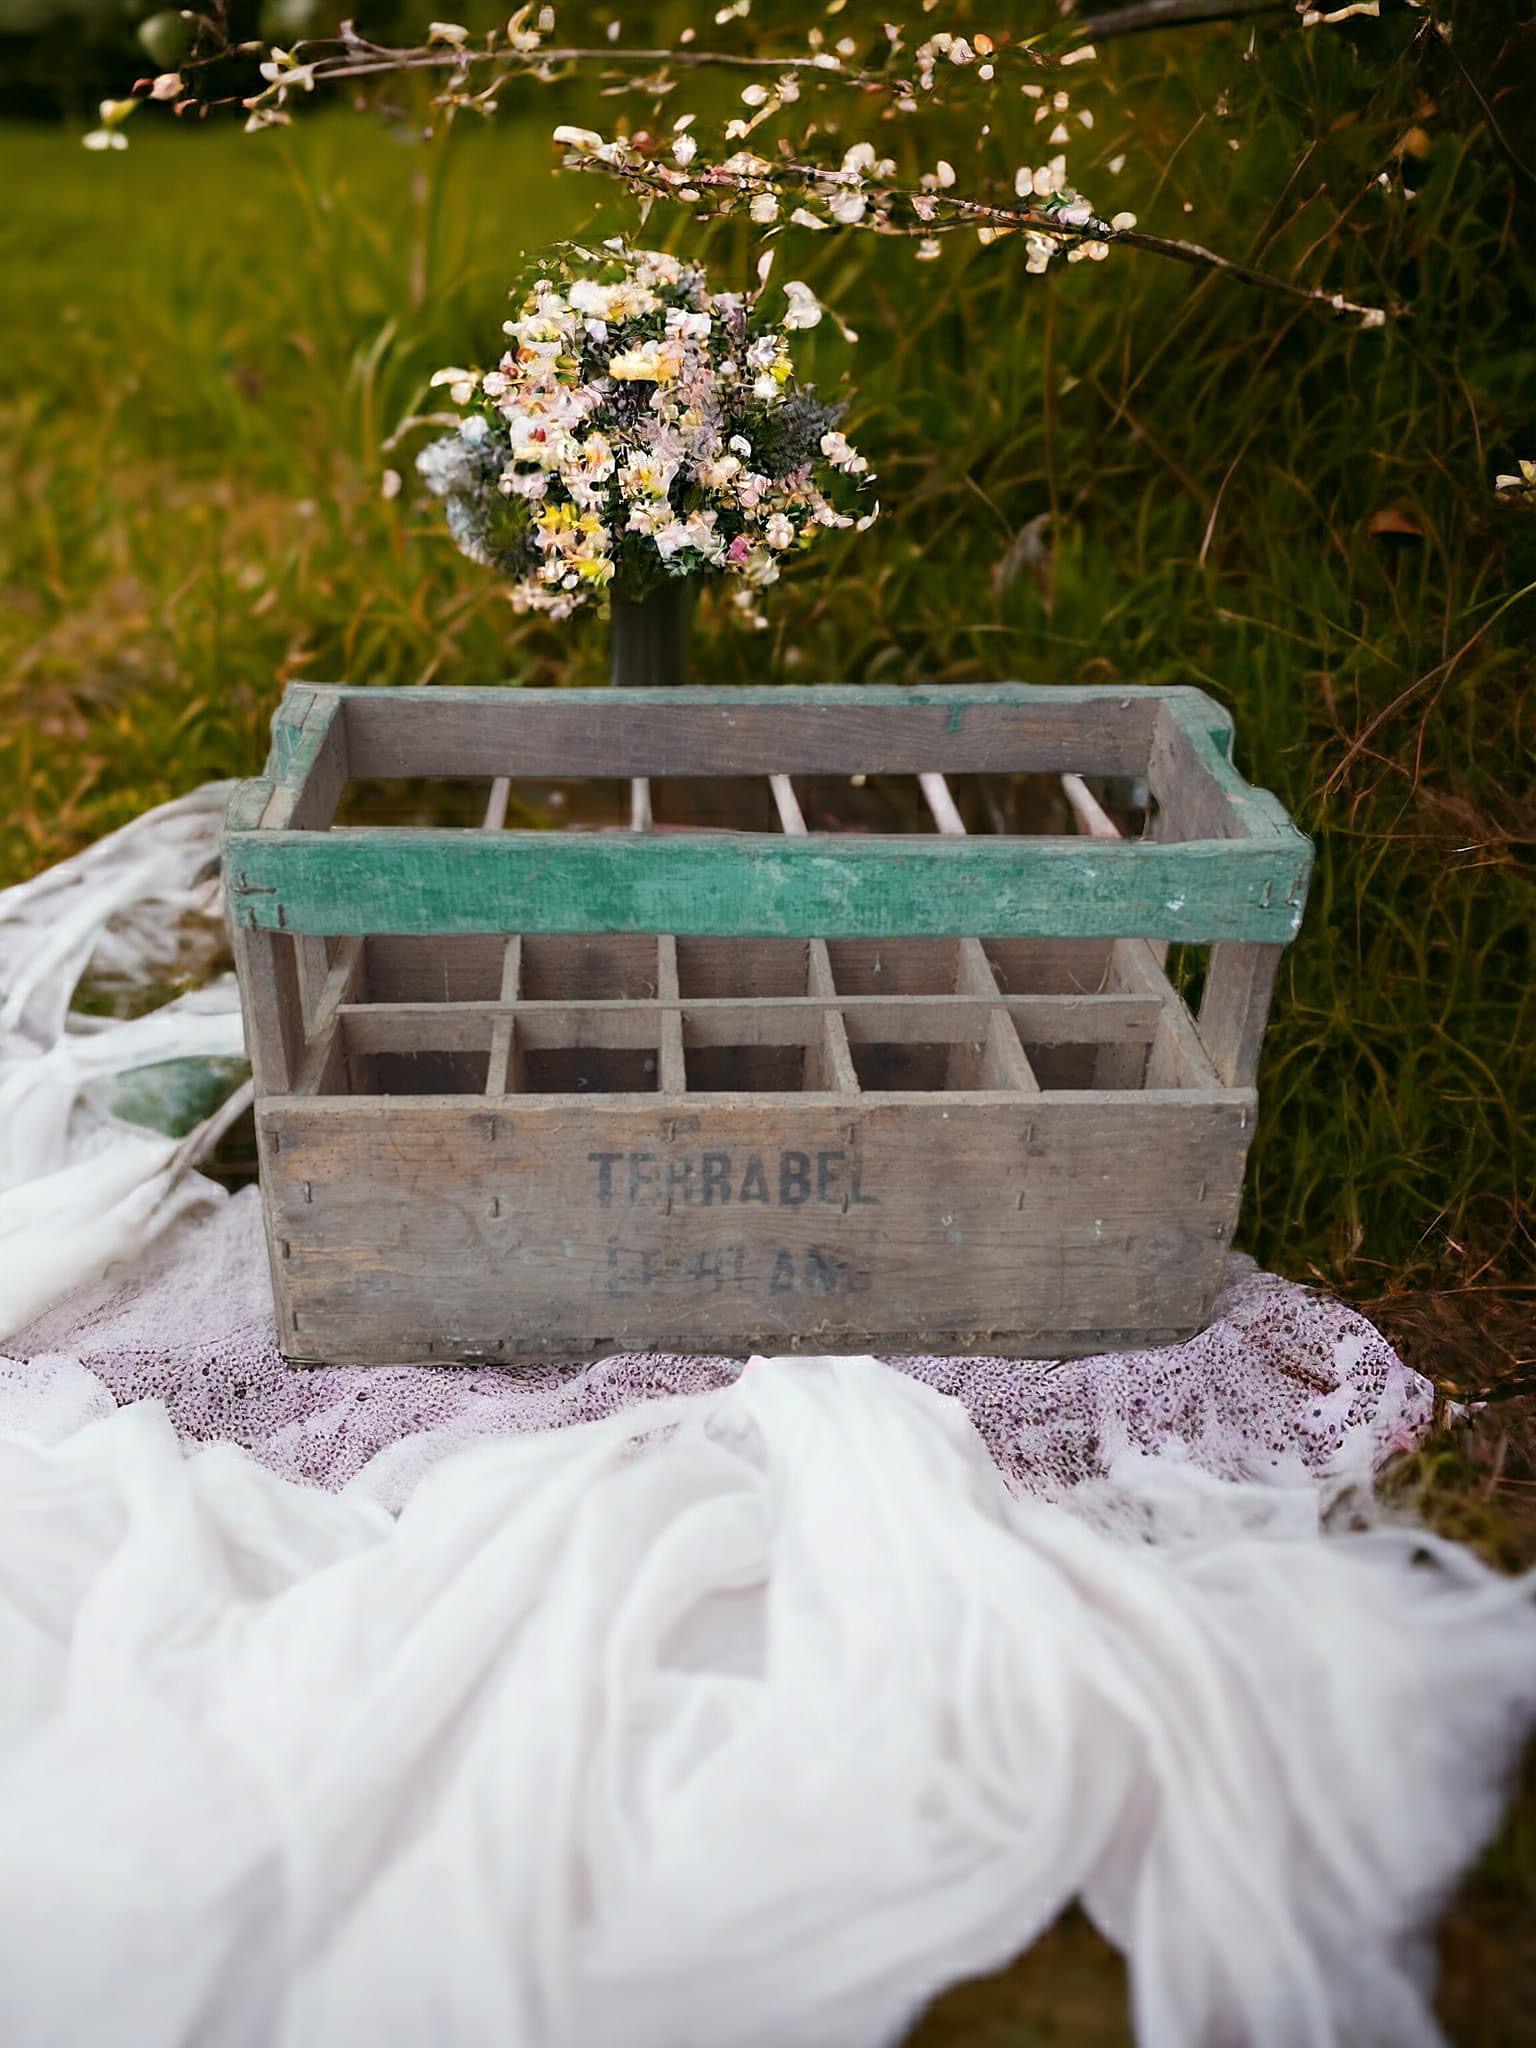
814,174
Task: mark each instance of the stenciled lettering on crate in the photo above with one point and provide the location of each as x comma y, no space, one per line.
541,1094
785,1179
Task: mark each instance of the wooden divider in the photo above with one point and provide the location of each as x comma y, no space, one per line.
323,1018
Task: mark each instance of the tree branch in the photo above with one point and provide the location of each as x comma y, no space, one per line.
612,55
944,212
1144,15
1201,258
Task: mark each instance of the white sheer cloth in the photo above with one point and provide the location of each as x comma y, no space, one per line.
668,1703
80,1190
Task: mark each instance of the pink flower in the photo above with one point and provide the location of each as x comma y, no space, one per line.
738,551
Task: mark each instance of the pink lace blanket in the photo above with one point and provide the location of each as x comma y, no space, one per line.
1285,1382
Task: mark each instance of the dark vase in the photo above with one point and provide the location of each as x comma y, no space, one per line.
648,637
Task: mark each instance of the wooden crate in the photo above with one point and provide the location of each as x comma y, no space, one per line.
545,1093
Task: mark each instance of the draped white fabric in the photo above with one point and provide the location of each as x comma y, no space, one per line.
79,1190
755,1714
749,1717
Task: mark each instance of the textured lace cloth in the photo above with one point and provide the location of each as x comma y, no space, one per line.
1285,1383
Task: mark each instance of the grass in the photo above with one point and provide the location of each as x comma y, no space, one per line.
208,341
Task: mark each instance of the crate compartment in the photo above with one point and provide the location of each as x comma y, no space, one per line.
1051,967
746,1069
704,1077
742,967
589,1070
422,1073
729,803
909,967
431,969
576,968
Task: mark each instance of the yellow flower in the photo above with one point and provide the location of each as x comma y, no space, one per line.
647,365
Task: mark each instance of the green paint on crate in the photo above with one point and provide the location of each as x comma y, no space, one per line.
300,727
423,881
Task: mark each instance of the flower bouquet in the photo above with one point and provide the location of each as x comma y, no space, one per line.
639,432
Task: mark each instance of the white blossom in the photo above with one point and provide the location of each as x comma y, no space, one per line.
804,307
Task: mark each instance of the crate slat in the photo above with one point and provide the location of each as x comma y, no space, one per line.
403,882
502,1068
824,730
563,1208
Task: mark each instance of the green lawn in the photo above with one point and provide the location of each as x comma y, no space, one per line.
1123,472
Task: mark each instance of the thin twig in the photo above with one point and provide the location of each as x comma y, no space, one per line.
1146,15
1501,140
1202,258
1442,670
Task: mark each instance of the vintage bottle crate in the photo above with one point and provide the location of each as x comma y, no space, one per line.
542,1093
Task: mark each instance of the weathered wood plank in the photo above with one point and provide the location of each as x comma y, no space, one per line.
247,802
672,1076
829,1064
272,1007
1191,802
322,1068
746,1225
429,969
1177,1058
741,967
1115,1019
503,1069
308,765
1002,1062
401,881
579,967
1239,983
1201,795
953,728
